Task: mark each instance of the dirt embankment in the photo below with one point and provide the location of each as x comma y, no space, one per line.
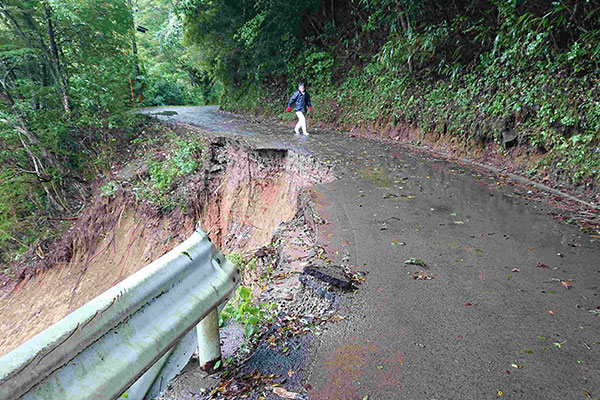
240,196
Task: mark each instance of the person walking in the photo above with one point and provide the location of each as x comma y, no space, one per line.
301,101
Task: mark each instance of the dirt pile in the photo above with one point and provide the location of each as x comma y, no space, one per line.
240,197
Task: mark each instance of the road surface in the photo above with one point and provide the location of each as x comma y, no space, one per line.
506,307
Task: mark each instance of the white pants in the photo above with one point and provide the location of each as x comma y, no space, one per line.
301,122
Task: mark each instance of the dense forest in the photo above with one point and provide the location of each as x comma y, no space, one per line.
478,72
71,73
509,72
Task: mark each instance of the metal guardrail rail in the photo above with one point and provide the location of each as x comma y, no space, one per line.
134,337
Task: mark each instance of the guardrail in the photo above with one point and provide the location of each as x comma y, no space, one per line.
134,337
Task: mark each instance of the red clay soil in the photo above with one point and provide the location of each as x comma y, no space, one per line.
256,197
240,207
42,299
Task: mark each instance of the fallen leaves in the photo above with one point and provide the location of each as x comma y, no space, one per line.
540,265
231,387
287,326
281,392
415,261
566,284
421,276
354,275
559,345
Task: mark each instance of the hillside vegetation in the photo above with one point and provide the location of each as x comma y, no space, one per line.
70,74
482,75
477,72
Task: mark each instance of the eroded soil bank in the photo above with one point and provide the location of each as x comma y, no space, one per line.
506,294
240,196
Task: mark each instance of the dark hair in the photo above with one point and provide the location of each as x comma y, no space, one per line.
300,84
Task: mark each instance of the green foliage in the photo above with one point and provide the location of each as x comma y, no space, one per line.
164,92
317,67
170,73
474,71
245,42
241,263
109,189
243,308
183,159
470,70
14,212
415,261
63,101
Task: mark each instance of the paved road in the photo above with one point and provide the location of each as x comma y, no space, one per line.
492,322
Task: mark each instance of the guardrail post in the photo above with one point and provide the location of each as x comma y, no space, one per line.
209,342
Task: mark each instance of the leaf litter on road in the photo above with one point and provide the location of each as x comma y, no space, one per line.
415,261
559,345
421,276
286,394
566,284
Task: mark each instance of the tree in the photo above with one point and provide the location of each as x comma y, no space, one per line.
63,74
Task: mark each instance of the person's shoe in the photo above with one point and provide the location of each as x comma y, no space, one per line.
306,134
297,133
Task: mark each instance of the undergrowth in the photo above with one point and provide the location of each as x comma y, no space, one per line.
168,161
244,308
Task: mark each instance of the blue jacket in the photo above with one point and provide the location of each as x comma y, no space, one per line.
300,101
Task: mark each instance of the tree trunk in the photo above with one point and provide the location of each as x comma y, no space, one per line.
62,81
35,39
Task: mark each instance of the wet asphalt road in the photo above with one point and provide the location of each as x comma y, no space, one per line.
492,322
